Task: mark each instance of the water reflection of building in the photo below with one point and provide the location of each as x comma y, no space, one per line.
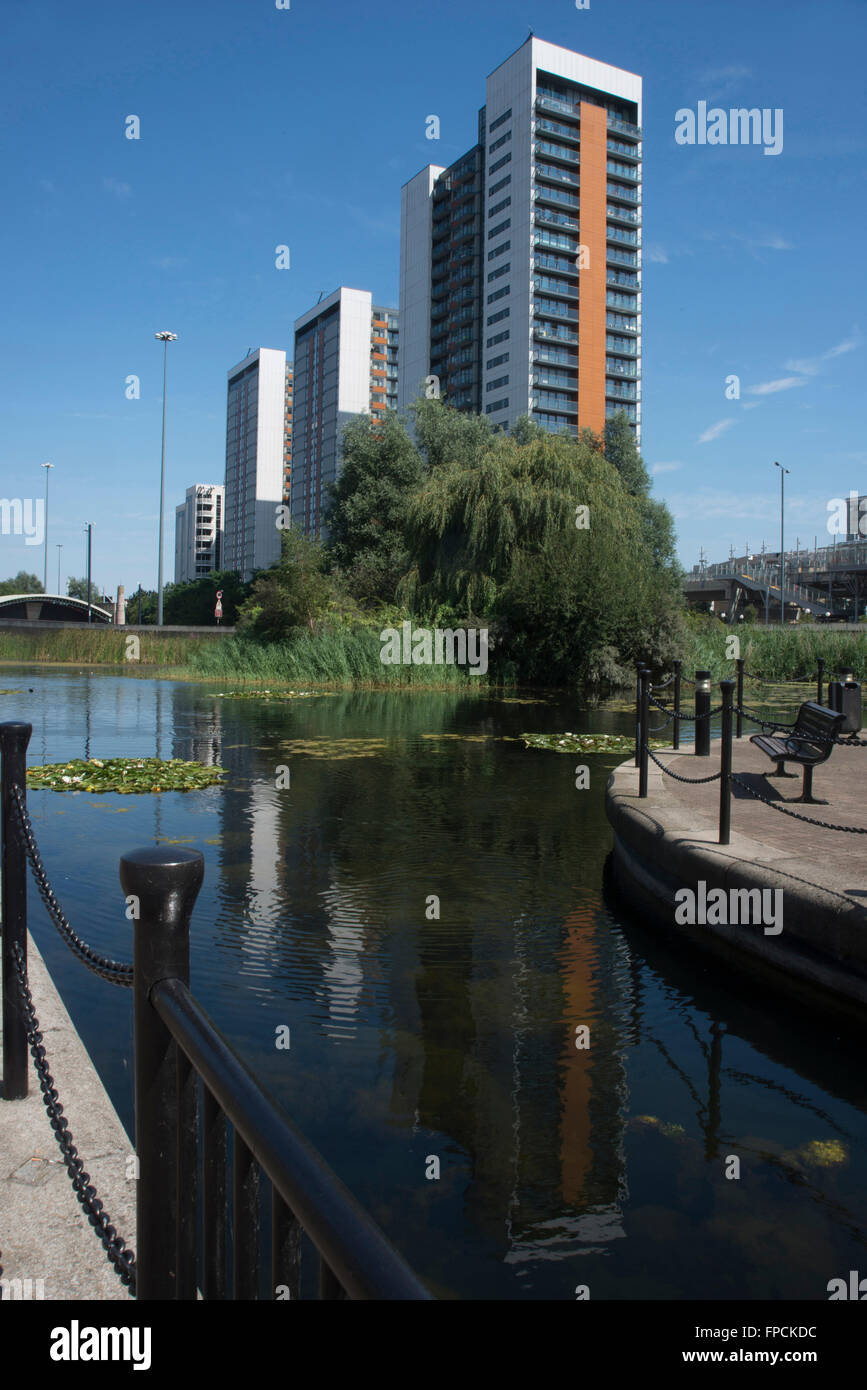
541,1122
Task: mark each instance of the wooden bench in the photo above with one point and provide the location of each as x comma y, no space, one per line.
809,743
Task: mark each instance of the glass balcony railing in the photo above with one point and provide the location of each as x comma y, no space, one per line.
625,127
549,353
622,257
553,306
566,108
622,171
622,235
553,400
557,128
624,214
556,195
560,379
557,151
554,423
545,282
566,243
622,322
550,171
620,147
553,332
622,277
615,367
544,262
628,195
558,218
614,407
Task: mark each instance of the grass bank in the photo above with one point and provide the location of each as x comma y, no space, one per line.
774,654
331,659
99,647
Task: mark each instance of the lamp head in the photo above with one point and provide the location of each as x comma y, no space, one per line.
166,337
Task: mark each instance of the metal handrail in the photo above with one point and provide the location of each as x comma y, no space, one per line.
354,1248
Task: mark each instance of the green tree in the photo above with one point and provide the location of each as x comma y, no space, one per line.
77,588
192,604
294,595
446,435
368,504
22,583
505,536
621,450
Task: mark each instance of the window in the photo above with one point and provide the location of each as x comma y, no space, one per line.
498,338
497,405
496,318
506,203
498,144
499,294
502,227
503,270
501,120
499,250
495,187
507,159
498,361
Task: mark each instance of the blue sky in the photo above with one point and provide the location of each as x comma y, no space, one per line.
262,127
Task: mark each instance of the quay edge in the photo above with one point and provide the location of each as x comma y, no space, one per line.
660,848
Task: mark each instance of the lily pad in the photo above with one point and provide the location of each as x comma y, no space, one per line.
619,744
123,775
271,694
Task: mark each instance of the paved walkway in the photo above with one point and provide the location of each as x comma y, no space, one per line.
44,1233
830,859
670,840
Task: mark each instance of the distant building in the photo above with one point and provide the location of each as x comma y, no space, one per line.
258,459
346,360
493,249
199,532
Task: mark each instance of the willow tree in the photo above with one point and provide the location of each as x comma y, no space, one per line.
543,539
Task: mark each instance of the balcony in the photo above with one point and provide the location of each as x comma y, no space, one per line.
619,277
565,108
557,219
625,128
556,195
622,171
550,171
561,356
551,333
624,215
627,195
544,282
543,378
567,132
557,152
554,309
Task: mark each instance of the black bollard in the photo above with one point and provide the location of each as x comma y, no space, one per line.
638,670
166,882
740,666
702,711
675,737
644,708
725,790
14,738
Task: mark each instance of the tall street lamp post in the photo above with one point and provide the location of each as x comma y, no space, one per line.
783,472
88,526
164,338
47,467
59,550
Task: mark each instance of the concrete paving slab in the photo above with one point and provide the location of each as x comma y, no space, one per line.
45,1236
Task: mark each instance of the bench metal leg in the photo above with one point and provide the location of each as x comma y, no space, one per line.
781,772
807,790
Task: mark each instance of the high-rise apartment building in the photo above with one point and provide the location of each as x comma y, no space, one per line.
520,267
199,532
346,361
258,459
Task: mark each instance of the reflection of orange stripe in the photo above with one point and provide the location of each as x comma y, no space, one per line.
580,996
592,309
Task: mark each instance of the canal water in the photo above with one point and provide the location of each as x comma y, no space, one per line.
416,1037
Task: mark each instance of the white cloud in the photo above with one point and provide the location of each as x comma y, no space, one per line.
665,468
783,383
656,254
811,366
714,431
